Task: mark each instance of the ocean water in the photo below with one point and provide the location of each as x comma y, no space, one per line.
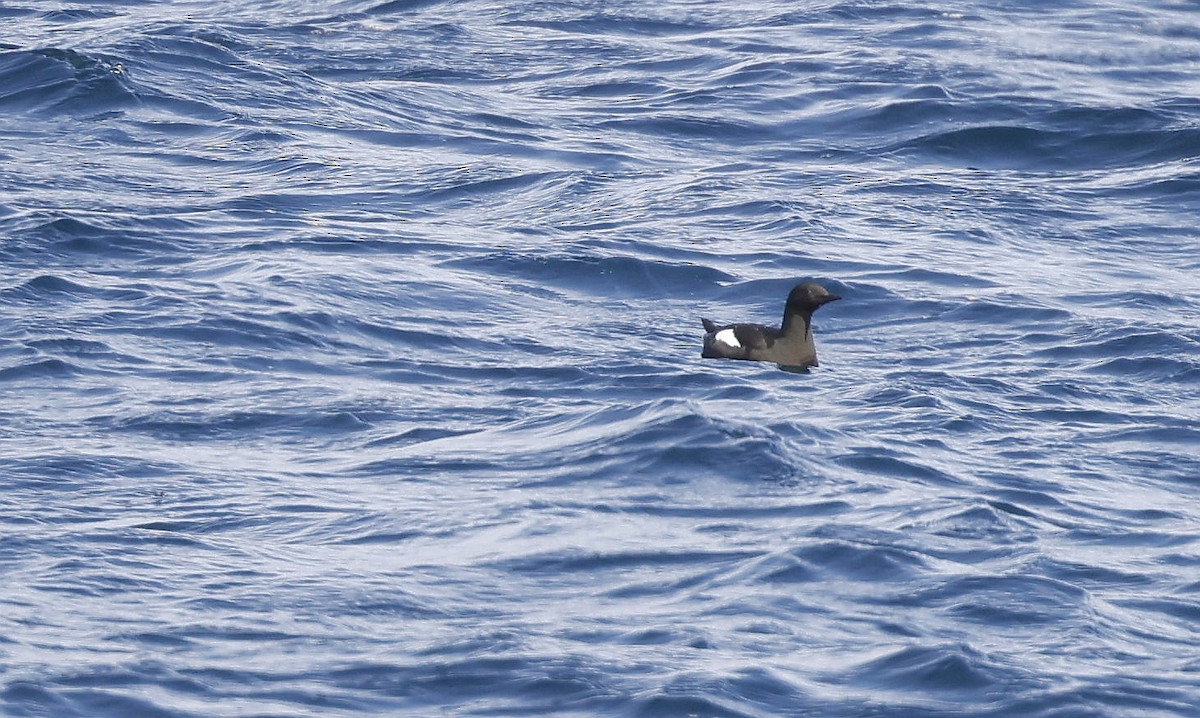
349,359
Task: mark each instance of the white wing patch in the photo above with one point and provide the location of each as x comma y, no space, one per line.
728,338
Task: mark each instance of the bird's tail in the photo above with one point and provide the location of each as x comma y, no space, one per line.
708,325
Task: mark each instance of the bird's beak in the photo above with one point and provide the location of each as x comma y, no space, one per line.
829,298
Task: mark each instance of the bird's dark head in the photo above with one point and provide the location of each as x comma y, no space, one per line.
808,297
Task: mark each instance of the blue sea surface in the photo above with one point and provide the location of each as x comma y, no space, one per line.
350,359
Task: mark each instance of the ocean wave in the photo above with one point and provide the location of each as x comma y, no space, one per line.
55,80
349,357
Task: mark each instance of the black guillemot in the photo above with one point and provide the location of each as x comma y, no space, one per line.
789,346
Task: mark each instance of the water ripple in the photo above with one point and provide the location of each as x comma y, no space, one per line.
349,358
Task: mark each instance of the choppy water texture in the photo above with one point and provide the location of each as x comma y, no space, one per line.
349,359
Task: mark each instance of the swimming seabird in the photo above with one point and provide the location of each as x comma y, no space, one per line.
791,345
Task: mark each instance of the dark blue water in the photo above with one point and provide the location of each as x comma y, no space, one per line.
349,359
